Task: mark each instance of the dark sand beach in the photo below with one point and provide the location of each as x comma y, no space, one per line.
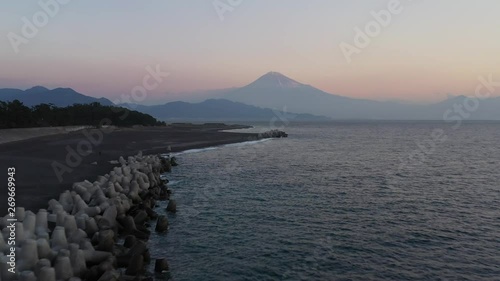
37,182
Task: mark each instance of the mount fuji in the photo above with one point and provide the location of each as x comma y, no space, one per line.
275,90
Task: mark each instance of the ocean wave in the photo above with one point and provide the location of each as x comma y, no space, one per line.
173,182
238,130
246,143
198,150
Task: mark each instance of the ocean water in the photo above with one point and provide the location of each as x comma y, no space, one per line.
340,201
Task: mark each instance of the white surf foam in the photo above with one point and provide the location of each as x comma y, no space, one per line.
172,182
219,147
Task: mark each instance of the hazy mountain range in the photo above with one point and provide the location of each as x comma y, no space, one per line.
219,110
209,110
275,90
59,97
271,95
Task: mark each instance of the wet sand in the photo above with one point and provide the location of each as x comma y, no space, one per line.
34,159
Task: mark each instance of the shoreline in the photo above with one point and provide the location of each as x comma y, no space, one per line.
22,134
96,230
34,158
213,147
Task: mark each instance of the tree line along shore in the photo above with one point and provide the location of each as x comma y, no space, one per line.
15,114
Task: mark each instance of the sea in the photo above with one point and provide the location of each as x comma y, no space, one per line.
339,201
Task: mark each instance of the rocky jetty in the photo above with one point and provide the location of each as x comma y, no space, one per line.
273,134
96,231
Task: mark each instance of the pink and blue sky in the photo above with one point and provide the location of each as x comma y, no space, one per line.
100,48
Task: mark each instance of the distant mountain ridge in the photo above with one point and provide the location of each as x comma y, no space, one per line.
275,90
209,110
219,110
60,97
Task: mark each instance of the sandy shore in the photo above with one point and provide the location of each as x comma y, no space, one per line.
10,135
35,158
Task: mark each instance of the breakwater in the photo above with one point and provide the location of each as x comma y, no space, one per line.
95,231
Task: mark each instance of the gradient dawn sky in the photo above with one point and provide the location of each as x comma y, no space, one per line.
101,48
